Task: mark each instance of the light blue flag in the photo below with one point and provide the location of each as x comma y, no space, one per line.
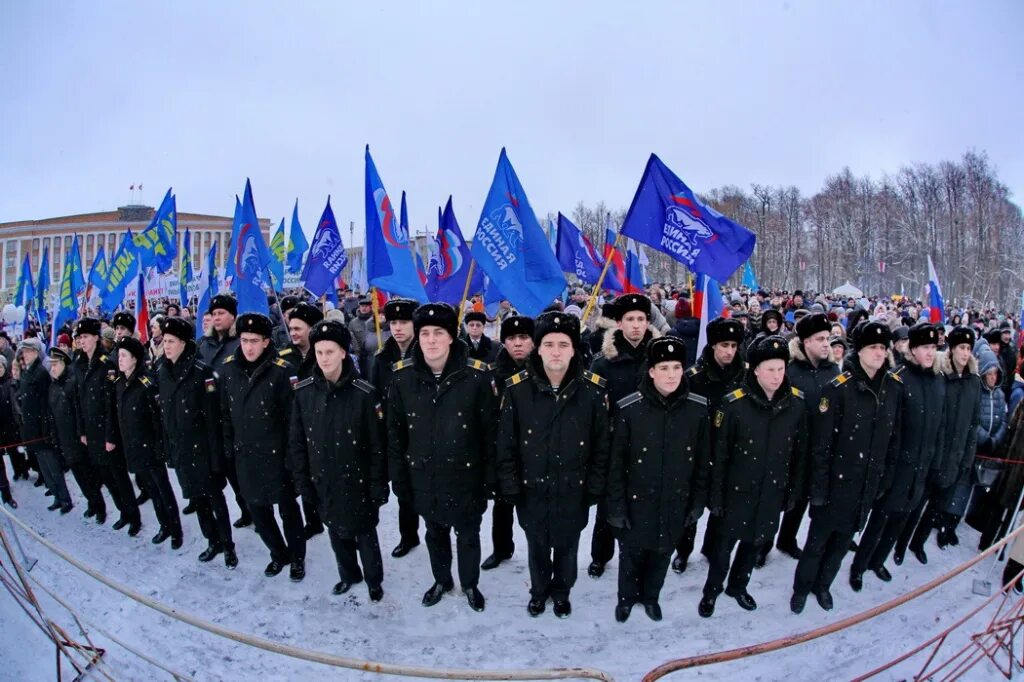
185,269
123,269
297,245
208,287
43,286
157,245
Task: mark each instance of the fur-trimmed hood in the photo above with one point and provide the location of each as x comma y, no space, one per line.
909,360
944,364
796,352
611,351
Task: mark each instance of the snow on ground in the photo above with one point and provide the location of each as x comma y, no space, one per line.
400,630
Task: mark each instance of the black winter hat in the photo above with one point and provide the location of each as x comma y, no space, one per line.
922,334
993,336
666,349
630,302
721,329
556,322
769,314
768,348
902,333
438,315
307,313
224,302
609,310
133,346
516,324
812,324
331,330
254,323
289,302
960,335
88,325
60,354
178,328
836,341
124,319
399,309
869,333
475,316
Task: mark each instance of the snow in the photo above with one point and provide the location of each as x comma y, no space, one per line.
400,630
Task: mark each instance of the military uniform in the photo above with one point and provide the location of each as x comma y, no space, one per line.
33,400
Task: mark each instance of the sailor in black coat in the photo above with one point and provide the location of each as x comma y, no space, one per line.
759,453
855,444
337,446
441,436
553,442
657,480
36,428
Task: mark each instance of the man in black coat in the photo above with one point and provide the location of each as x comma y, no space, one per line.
718,370
193,442
256,405
759,452
140,434
94,381
553,456
856,441
810,370
335,406
954,459
33,399
516,345
441,435
398,347
921,435
620,364
481,347
657,480
64,415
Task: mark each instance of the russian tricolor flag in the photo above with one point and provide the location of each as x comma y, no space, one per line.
618,265
707,304
935,304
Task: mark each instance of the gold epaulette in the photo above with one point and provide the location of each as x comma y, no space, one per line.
477,364
285,351
596,379
841,379
401,364
145,381
517,378
693,371
228,359
733,396
281,363
797,392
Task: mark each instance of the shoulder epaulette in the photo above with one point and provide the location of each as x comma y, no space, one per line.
280,363
477,364
596,379
305,382
797,392
630,399
733,396
145,381
697,398
895,374
103,358
364,386
200,365
841,379
285,351
517,378
693,371
228,359
401,364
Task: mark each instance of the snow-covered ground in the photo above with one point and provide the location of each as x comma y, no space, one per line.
400,630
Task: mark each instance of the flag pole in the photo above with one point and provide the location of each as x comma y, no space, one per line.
597,285
375,306
465,290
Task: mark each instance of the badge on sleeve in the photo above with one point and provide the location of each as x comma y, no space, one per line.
823,405
719,418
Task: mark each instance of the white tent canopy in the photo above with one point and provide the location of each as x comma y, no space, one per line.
848,290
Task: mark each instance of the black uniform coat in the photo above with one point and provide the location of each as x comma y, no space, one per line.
759,450
64,414
10,419
33,400
302,367
960,423
921,434
94,390
811,381
441,435
388,355
620,364
856,444
214,350
139,431
256,406
486,351
505,367
660,461
709,379
190,407
553,450
337,447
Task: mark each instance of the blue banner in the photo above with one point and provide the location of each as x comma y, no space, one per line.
576,254
185,269
327,257
122,270
297,245
157,245
450,261
250,259
208,287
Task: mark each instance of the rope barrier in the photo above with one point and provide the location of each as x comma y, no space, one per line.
792,640
310,655
998,459
24,442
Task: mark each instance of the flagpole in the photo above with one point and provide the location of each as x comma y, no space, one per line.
375,307
465,290
597,286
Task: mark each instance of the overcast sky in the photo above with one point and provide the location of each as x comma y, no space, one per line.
200,95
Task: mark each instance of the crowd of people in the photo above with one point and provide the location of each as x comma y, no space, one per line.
859,414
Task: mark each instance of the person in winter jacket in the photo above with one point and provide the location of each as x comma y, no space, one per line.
1017,389
603,324
9,432
653,492
331,406
362,327
552,456
757,461
920,439
481,347
952,466
992,426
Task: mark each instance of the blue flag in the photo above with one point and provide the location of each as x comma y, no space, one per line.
667,216
511,247
67,307
576,254
229,263
389,262
449,262
157,245
98,271
634,273
185,269
297,245
327,257
26,291
43,286
749,280
277,257
122,270
77,271
207,288
250,258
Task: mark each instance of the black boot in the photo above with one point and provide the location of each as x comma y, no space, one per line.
243,521
536,606
211,552
595,569
297,571
493,561
653,611
797,602
744,599
273,568
679,564
5,496
475,599
230,558
403,548
434,594
706,608
622,611
562,608
162,535
189,508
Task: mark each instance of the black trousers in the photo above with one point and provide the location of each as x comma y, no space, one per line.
231,474
115,476
826,546
157,485
553,569
268,530
790,525
501,529
5,484
408,523
684,547
213,517
52,471
926,515
467,543
720,552
642,574
602,543
90,484
878,539
368,548
309,511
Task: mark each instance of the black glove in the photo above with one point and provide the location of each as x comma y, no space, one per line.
620,522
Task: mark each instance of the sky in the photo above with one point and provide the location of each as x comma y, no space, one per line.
200,96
